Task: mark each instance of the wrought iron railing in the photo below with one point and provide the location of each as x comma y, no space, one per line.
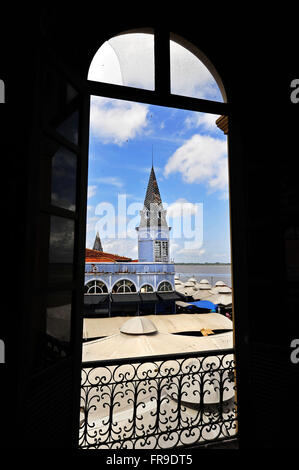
158,402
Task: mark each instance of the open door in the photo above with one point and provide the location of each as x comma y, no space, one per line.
51,399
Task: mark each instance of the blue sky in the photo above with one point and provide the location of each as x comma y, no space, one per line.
189,153
190,161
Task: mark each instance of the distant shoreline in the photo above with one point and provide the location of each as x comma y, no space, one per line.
203,264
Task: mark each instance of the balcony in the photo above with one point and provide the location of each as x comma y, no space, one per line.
159,402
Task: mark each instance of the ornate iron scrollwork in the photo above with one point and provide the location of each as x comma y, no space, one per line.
158,403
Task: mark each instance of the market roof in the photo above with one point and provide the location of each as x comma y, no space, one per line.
189,284
166,323
204,281
123,345
202,292
138,326
221,298
224,290
219,286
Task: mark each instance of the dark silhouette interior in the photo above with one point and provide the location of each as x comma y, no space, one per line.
41,399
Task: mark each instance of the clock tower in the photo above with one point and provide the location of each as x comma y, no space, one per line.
153,230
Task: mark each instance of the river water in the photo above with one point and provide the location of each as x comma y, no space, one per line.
212,273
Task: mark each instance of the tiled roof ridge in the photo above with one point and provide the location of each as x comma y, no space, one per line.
90,253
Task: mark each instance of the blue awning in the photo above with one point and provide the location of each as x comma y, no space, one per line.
203,304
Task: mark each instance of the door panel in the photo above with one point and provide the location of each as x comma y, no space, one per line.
52,395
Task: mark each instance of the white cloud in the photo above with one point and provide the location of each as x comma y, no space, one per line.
116,121
201,159
121,247
110,180
204,120
189,76
181,206
91,191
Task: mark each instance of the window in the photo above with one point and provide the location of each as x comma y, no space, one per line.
165,287
123,286
95,287
170,73
189,74
161,251
127,59
64,179
146,288
164,249
177,79
62,212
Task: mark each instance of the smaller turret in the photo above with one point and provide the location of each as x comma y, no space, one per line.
97,243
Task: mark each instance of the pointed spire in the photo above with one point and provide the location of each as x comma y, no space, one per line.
152,192
97,243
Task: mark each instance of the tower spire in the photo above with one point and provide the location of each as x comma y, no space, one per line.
153,230
152,193
97,243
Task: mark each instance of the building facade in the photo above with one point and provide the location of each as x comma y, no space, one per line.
116,285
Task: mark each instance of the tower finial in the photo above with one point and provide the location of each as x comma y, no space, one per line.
152,155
